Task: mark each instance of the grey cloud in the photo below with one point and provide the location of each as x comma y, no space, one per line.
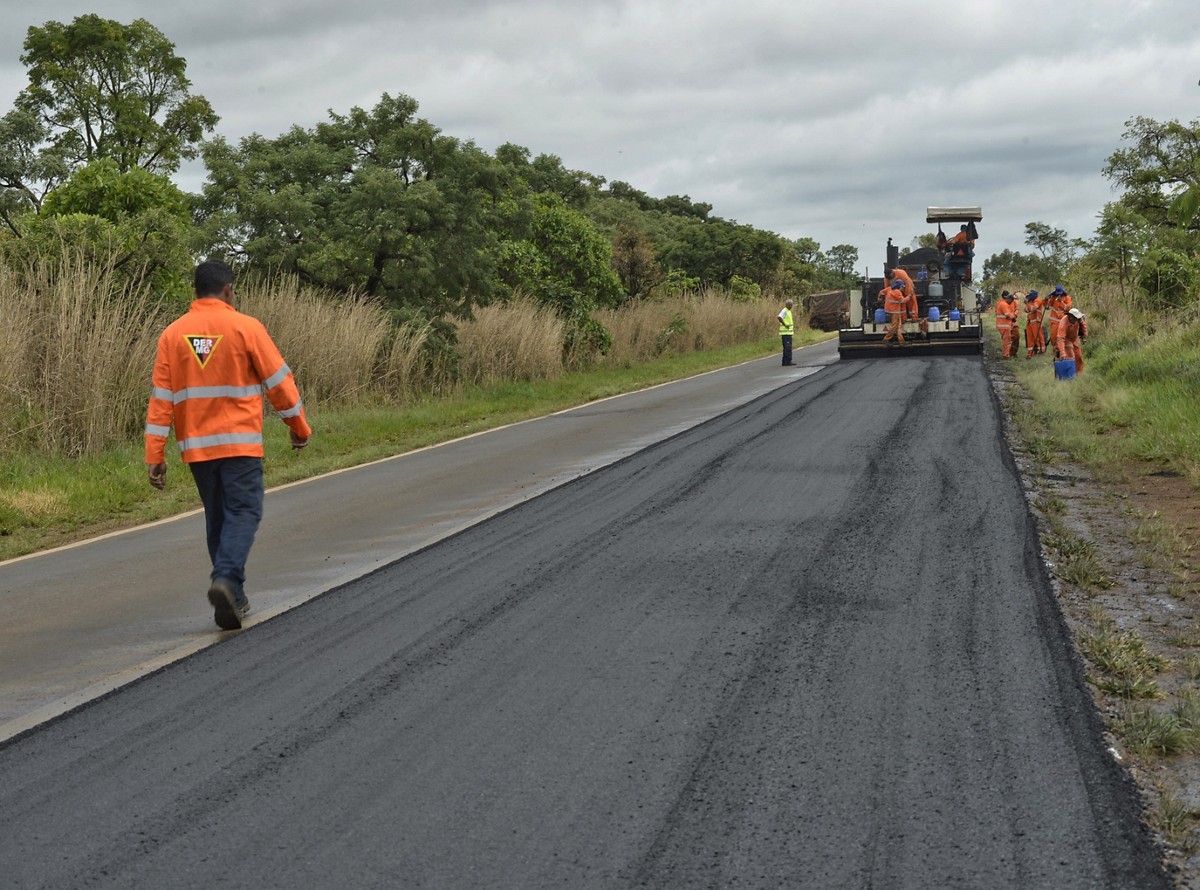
837,121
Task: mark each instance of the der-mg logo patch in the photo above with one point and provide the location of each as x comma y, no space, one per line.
203,346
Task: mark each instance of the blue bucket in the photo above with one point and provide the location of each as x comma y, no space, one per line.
1064,369
955,315
935,314
880,316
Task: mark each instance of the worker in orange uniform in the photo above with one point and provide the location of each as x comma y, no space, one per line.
1006,324
1069,337
891,276
210,371
896,305
1035,334
960,252
1059,303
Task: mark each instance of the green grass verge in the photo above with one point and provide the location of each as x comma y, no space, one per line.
46,500
1134,403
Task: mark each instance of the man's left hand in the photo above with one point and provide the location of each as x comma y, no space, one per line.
158,475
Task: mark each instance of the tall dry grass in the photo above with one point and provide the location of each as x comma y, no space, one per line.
334,346
691,322
515,341
405,373
1109,311
77,347
76,350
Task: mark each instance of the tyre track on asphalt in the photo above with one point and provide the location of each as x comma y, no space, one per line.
806,643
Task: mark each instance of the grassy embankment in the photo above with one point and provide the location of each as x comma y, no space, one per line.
1133,415
75,366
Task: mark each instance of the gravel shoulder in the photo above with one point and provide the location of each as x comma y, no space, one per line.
1142,527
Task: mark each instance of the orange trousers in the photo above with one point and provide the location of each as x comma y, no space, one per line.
895,327
1075,351
1010,341
1035,339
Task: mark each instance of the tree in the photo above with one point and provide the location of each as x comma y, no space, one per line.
378,202
1160,171
715,250
927,239
1121,239
1054,246
1168,278
635,262
564,262
842,259
138,221
97,89
546,173
1011,267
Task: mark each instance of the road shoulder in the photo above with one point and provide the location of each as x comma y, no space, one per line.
1121,553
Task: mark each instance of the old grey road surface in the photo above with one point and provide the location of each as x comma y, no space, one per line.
805,644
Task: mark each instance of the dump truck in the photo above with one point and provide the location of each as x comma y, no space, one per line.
825,309
948,316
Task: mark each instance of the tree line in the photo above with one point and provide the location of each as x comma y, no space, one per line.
1147,240
374,202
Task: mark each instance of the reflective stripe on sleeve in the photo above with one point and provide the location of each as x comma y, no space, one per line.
215,392
278,377
292,412
220,439
155,430
165,394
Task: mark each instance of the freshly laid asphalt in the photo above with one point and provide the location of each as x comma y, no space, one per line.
805,643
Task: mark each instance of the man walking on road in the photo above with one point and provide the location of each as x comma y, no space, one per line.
787,327
209,374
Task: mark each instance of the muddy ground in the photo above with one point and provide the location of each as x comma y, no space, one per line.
1144,523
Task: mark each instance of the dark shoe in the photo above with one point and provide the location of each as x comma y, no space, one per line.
789,364
227,611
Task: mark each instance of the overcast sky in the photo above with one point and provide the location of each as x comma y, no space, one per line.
839,121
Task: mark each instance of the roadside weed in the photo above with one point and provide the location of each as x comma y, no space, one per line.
1077,563
1146,731
1128,668
1177,819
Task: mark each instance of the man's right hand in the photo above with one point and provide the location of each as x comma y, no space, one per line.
298,442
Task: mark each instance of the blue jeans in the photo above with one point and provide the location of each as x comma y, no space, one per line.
231,489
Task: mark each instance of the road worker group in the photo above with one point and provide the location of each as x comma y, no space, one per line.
1068,327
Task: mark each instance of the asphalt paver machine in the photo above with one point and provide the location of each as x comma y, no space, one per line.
948,316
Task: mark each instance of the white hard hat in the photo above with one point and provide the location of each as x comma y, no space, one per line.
1075,313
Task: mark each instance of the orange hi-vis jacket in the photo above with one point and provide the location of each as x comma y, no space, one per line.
894,300
1006,314
209,374
1059,306
1034,310
1067,335
905,281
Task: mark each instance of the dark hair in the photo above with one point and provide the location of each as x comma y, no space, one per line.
211,278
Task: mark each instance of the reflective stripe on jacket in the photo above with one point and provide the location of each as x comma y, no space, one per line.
1034,309
1059,307
1006,314
787,325
894,300
210,371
